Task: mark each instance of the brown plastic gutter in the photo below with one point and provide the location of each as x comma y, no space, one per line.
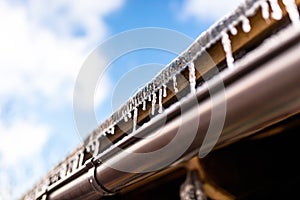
261,97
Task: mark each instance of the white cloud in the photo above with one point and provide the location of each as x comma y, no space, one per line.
65,16
42,47
207,9
21,145
40,53
21,139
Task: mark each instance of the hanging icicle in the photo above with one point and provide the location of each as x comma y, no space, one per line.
164,90
124,116
160,95
246,24
134,121
153,103
136,103
129,114
192,77
293,13
112,130
276,10
175,84
144,105
227,48
232,30
265,10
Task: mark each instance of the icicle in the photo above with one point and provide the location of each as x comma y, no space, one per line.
175,84
246,24
144,105
112,130
165,90
125,117
276,10
160,95
192,77
153,103
129,114
134,121
265,9
149,97
136,104
232,29
292,10
227,48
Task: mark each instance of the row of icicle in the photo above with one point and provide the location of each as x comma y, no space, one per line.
276,13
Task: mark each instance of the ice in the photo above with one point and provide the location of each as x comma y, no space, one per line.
153,103
227,48
265,10
136,103
246,24
129,114
63,170
276,10
175,84
232,29
134,121
192,77
204,41
293,13
112,130
165,90
130,105
75,163
160,95
144,105
125,117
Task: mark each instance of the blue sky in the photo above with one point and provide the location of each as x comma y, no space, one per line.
42,47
